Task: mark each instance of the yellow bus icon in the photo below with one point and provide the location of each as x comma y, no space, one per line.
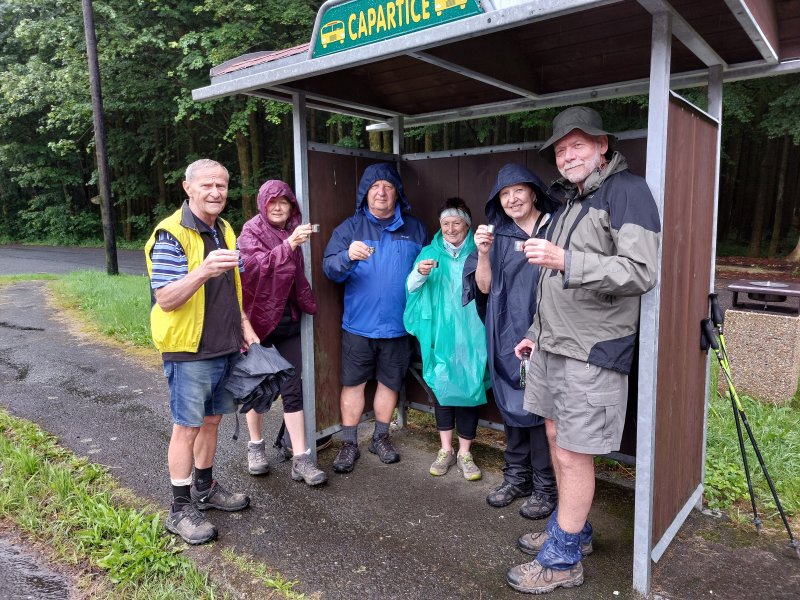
332,32
441,5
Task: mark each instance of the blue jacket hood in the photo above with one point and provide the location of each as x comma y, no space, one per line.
510,174
386,172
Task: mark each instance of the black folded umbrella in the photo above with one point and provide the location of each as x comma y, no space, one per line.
256,378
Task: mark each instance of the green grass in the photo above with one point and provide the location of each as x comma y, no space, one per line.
118,306
777,432
263,575
74,507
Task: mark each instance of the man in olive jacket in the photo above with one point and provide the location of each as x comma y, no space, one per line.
600,256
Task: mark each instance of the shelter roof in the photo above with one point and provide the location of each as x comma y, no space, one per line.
527,55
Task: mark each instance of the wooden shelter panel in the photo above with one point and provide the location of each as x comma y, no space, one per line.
765,17
685,281
717,24
402,84
333,181
789,20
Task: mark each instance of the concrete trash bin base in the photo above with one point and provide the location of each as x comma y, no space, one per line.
764,352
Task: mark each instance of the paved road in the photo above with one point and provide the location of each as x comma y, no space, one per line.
15,260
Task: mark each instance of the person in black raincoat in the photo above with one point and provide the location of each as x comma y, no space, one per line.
503,284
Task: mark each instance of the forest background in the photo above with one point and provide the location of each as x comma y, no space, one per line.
152,53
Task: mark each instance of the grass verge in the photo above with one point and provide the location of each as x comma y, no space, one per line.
117,306
73,507
776,429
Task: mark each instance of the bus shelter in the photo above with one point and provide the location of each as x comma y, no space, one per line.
406,63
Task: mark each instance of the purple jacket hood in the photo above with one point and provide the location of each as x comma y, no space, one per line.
274,274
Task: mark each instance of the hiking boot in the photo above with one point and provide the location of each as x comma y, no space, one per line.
384,449
218,497
191,525
303,469
538,506
504,494
257,462
468,468
533,578
531,543
346,458
444,460
284,445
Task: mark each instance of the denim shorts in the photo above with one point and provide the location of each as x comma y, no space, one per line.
197,389
587,402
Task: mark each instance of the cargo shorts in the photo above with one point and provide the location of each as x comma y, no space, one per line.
587,402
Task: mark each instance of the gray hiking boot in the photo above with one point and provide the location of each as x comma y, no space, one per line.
531,543
218,497
533,578
384,448
468,468
444,460
346,458
538,506
257,462
191,525
303,469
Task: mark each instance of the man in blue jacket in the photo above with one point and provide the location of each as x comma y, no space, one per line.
372,253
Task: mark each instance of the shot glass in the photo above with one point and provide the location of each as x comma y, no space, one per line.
371,249
490,229
315,228
435,264
519,246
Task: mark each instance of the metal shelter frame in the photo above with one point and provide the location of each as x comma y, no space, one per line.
684,51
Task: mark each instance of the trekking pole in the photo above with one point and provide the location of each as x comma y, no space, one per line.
708,332
722,356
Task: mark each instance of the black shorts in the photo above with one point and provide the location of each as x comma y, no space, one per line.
384,359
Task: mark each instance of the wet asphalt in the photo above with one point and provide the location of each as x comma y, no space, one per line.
383,531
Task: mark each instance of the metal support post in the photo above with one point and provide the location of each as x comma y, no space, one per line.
300,140
648,329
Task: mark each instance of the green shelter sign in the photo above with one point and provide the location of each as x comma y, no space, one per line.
361,22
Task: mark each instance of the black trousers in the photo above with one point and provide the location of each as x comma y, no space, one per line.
292,390
464,419
527,460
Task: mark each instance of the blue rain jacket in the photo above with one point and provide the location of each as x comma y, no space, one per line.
374,292
509,307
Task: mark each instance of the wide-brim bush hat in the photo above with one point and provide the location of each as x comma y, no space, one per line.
588,120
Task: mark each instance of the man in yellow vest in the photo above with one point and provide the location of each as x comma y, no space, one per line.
199,327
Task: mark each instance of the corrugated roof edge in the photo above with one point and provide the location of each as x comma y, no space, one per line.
256,58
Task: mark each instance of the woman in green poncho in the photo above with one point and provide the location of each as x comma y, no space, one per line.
451,337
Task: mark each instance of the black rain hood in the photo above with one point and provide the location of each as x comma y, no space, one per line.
511,174
386,172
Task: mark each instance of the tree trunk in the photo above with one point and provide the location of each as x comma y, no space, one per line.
777,219
255,150
728,186
287,147
243,154
428,140
387,141
762,199
375,141
445,136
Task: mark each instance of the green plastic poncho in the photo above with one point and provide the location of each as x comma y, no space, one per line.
451,336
